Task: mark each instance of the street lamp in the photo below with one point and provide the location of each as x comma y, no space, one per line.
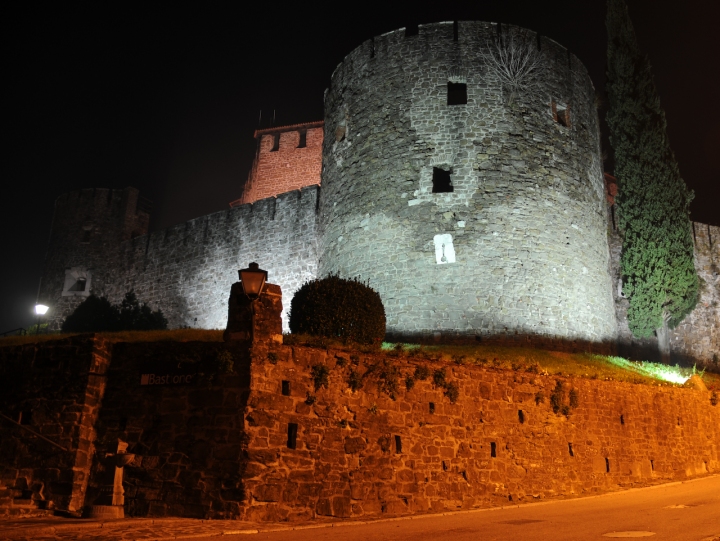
253,280
40,310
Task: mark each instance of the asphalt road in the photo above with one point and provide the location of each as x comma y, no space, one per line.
683,511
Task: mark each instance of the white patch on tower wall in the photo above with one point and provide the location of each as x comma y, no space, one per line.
77,282
444,249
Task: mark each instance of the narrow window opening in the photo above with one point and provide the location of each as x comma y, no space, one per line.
570,449
455,30
432,407
303,139
561,114
412,30
276,143
521,416
622,419
444,466
607,465
652,465
678,421
442,181
285,388
398,445
292,435
493,449
457,93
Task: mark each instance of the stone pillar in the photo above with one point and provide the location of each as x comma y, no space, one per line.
254,321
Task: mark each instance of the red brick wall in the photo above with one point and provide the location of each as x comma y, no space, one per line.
286,169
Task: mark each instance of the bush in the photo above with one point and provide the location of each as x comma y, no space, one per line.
338,308
96,314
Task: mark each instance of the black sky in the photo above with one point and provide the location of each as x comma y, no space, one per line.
166,98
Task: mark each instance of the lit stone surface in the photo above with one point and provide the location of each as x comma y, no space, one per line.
527,211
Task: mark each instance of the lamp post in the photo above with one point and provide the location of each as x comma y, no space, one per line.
253,281
40,310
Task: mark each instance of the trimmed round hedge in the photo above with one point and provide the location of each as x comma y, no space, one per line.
338,308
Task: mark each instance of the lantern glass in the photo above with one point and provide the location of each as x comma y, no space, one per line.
253,280
41,309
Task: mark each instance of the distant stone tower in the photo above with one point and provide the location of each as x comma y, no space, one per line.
88,227
470,214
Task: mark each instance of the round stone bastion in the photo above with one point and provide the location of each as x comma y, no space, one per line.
472,207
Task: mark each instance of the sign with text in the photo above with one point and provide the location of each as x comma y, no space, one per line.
167,379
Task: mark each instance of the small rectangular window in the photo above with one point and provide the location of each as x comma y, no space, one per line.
285,388
276,143
561,114
398,445
432,407
292,435
493,449
303,139
442,182
456,93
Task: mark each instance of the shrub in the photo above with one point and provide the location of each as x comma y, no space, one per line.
96,314
320,376
338,308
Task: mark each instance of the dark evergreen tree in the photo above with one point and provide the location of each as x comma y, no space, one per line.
653,201
136,317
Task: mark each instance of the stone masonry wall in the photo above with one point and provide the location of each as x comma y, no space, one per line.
54,388
88,227
287,167
187,437
697,338
523,231
364,453
187,270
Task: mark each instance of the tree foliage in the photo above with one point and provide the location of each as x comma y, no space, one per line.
654,203
338,308
96,314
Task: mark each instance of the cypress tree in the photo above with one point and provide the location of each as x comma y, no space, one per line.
659,276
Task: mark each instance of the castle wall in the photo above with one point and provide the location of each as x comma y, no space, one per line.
697,338
187,270
365,454
54,389
287,167
525,223
218,444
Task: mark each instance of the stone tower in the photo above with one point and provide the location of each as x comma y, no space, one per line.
88,228
471,212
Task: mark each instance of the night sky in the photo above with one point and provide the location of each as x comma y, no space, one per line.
166,98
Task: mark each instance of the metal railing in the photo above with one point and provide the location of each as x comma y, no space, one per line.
24,427
22,332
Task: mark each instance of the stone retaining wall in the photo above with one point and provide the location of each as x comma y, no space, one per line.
363,453
55,389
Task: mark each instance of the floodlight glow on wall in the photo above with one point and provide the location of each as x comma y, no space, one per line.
253,280
41,309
